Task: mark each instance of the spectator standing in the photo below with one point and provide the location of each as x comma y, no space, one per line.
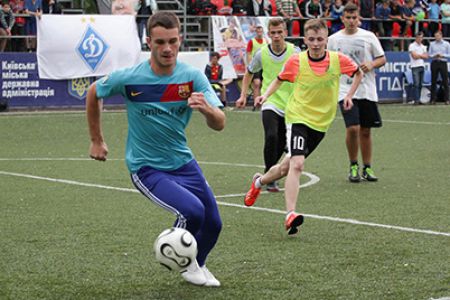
417,53
384,27
259,8
396,14
408,16
366,11
337,9
445,13
51,7
253,46
326,7
18,7
365,49
288,9
146,8
33,8
7,20
433,15
313,9
439,53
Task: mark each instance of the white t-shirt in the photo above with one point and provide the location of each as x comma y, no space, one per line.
418,49
361,46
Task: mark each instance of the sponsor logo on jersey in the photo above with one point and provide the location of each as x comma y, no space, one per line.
184,91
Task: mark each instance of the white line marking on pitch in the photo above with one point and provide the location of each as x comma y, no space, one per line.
333,219
78,113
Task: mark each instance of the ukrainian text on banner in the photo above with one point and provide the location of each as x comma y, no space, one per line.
231,35
74,46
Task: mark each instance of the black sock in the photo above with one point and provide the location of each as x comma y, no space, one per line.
366,166
353,163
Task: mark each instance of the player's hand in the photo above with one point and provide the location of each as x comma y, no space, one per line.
366,66
348,103
198,101
98,151
260,100
241,102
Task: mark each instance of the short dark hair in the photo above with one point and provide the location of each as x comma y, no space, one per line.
214,54
351,8
165,19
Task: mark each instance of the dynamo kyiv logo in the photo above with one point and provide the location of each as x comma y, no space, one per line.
92,48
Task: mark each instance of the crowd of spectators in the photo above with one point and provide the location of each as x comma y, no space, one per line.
17,18
386,18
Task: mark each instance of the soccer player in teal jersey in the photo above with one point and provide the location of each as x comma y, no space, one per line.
160,95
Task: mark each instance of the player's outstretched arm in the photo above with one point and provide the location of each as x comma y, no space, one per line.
98,149
270,90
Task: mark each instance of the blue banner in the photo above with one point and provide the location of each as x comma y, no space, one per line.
390,77
22,87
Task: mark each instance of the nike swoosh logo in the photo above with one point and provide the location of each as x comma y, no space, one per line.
134,94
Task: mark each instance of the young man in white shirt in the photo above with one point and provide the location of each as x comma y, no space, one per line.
417,53
365,49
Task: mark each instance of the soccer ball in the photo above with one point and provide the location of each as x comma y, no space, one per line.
175,248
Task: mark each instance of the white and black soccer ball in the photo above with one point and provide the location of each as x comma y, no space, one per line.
175,248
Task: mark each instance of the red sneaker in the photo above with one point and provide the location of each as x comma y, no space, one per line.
293,221
253,193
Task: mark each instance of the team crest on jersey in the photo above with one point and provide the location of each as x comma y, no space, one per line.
78,87
92,48
184,91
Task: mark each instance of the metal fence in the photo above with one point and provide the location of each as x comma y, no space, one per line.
197,33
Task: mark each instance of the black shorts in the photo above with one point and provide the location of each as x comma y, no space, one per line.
364,113
302,140
258,75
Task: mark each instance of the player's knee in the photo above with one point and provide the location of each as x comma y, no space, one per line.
353,131
215,225
297,165
365,132
195,217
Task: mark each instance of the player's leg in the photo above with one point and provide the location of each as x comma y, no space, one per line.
207,235
369,118
352,128
256,87
164,189
302,141
275,173
274,142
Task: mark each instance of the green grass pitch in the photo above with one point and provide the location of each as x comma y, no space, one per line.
73,228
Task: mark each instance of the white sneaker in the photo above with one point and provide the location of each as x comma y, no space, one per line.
210,279
194,274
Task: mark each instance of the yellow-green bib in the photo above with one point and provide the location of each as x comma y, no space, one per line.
271,69
256,46
315,97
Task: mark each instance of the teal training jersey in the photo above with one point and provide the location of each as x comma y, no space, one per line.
157,112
